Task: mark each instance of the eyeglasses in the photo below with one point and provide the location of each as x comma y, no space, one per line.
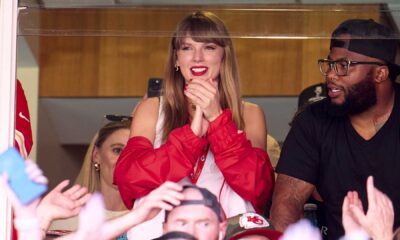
117,118
341,66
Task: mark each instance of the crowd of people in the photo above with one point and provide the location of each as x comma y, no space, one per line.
192,163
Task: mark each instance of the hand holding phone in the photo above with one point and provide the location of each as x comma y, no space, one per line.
24,188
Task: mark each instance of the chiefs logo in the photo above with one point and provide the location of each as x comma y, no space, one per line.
252,220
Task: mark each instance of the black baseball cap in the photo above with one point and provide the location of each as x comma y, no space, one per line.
208,199
368,38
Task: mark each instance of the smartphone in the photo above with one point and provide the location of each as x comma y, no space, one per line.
24,188
154,87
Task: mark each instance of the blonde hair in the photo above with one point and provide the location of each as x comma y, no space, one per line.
201,26
88,177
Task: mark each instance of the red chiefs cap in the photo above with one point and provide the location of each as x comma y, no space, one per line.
247,224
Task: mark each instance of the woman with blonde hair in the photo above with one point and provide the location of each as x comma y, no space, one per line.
97,170
199,130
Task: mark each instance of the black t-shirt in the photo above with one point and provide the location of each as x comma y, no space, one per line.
327,152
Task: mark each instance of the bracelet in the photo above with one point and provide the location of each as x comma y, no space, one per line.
26,224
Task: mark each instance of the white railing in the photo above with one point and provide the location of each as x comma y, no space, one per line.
8,36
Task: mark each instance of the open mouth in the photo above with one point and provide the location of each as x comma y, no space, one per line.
334,91
198,71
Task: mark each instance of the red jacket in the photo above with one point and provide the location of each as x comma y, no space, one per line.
248,171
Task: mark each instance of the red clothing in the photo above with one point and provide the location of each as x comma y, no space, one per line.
23,132
141,168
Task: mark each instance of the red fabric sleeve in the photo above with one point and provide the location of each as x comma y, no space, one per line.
141,168
247,170
23,131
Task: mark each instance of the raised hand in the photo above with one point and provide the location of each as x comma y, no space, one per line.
378,221
351,224
204,93
25,221
60,204
164,197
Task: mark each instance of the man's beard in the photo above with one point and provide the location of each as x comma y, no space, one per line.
359,98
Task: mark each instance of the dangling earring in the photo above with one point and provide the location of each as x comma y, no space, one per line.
96,166
176,67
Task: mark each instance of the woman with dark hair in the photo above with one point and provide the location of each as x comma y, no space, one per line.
199,130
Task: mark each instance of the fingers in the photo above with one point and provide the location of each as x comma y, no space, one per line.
76,196
171,185
345,206
358,214
201,92
371,192
383,204
83,200
204,93
196,124
75,192
167,195
79,193
34,172
355,200
61,186
206,87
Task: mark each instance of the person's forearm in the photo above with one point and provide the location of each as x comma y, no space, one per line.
285,212
288,200
114,228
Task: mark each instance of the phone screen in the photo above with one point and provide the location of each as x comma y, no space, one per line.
24,188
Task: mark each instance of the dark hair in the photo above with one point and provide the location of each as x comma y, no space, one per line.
109,129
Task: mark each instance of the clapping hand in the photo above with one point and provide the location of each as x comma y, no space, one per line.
204,93
379,218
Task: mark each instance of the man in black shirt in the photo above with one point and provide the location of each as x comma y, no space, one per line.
336,143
